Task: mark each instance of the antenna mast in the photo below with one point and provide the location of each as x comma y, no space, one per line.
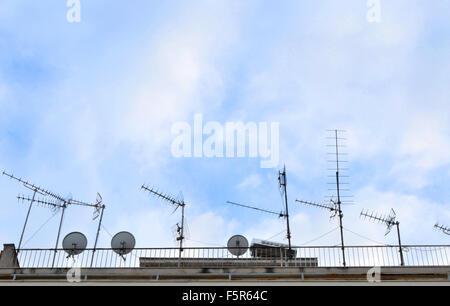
335,208
389,221
177,203
282,183
341,215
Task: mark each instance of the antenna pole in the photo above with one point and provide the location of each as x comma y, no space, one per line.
402,262
98,232
282,178
59,232
181,237
341,215
26,221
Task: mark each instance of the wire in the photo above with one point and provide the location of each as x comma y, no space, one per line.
281,198
276,235
42,226
420,250
104,228
368,239
321,236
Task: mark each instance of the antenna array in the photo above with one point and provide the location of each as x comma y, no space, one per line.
444,229
35,188
389,221
57,203
53,205
333,208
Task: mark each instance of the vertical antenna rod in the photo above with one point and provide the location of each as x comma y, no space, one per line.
59,232
283,182
341,215
402,260
181,231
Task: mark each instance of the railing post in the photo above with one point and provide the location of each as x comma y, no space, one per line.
281,256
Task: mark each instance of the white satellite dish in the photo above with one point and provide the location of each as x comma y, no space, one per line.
74,243
237,245
123,243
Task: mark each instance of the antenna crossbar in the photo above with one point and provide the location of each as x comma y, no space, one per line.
280,214
388,220
163,196
42,202
35,188
443,228
79,203
331,208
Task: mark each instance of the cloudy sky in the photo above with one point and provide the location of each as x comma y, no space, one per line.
89,107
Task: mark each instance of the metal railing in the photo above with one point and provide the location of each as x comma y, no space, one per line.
320,256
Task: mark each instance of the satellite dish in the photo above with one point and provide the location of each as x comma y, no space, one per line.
237,245
74,243
123,243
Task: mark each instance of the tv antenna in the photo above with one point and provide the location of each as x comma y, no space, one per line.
178,203
444,229
389,221
282,185
335,207
43,192
57,202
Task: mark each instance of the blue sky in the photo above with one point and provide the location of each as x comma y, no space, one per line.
88,107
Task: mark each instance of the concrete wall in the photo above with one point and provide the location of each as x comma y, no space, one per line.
8,257
265,275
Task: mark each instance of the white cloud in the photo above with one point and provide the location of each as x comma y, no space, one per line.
180,74
250,182
328,69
